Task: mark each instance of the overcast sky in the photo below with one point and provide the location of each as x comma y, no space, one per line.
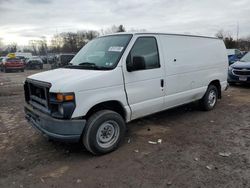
23,20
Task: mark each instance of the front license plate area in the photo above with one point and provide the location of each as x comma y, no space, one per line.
242,78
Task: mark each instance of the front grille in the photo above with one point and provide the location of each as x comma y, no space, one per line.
242,72
37,94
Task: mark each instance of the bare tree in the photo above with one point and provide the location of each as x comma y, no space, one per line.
56,43
42,46
227,38
81,39
71,41
230,42
121,28
33,45
113,29
39,47
12,48
221,34
91,34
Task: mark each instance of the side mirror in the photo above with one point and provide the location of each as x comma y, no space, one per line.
138,63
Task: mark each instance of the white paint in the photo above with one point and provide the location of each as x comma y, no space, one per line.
188,65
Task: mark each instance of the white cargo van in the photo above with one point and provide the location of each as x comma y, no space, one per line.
118,78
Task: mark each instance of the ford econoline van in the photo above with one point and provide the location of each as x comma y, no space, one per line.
117,78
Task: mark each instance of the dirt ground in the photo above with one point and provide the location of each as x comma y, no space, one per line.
189,155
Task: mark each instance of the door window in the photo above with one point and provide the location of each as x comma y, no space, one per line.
145,49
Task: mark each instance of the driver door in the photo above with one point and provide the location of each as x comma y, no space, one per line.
144,77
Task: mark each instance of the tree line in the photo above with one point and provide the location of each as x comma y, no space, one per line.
65,42
72,42
242,44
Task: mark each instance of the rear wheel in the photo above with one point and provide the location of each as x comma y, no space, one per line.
104,132
210,98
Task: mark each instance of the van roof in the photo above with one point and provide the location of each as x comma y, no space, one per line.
155,33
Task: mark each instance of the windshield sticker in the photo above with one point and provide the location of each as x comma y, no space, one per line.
115,48
108,64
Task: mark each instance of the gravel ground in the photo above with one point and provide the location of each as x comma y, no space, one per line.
198,149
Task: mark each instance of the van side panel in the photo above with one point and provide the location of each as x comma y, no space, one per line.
191,63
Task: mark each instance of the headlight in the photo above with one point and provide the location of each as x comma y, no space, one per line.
62,105
230,68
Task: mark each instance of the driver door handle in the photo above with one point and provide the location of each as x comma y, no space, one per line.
162,82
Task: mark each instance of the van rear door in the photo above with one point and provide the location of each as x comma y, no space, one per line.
144,74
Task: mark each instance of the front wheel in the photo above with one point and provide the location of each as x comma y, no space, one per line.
104,132
210,98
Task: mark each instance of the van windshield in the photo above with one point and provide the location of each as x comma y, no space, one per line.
102,53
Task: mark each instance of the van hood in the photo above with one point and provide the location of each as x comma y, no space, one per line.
69,80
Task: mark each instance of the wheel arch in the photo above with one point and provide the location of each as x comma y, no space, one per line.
113,105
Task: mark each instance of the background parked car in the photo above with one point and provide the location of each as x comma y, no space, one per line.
10,64
234,55
244,53
239,72
1,61
23,55
62,60
34,63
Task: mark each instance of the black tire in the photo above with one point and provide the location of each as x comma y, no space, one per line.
207,103
96,125
22,70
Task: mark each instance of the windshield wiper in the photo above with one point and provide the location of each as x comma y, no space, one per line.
86,65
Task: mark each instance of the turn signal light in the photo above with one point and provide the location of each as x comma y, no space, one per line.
64,97
69,97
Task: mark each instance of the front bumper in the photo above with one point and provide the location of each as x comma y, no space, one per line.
14,68
237,79
56,129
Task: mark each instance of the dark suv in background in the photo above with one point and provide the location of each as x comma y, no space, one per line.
62,60
239,72
34,63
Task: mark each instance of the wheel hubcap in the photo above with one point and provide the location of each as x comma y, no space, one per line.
108,133
212,98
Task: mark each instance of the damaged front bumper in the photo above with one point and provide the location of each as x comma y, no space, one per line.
56,129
